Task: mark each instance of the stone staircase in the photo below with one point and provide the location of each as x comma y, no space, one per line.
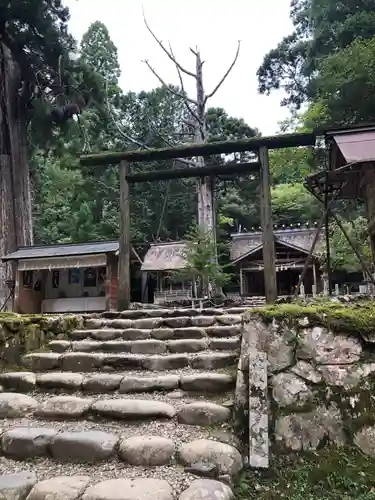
130,406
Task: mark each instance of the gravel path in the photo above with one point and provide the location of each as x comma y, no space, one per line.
46,468
175,398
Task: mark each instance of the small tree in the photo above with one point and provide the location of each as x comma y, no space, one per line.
202,266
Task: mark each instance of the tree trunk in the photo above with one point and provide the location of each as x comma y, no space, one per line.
15,197
205,186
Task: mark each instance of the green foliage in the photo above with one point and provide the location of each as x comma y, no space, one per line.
327,474
293,204
342,255
346,83
321,29
202,264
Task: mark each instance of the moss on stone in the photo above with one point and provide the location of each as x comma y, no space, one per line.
21,334
358,318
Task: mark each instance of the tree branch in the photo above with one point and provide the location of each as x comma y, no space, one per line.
186,101
178,94
131,139
226,74
171,56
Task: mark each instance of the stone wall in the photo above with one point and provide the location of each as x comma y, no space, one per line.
20,334
321,377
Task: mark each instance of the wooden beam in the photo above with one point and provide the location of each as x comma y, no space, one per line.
268,239
185,173
190,150
123,300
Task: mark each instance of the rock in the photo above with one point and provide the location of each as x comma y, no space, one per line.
133,409
143,384
213,360
121,323
280,349
231,344
102,382
42,361
64,407
79,334
347,376
176,395
207,489
16,486
365,440
81,361
59,345
123,361
227,458
88,446
228,438
207,382
190,332
327,348
146,450
307,372
305,431
130,489
164,363
178,322
288,389
223,331
130,314
93,324
147,323
106,334
190,345
13,404
27,442
203,470
87,345
63,380
148,347
162,333
60,488
203,413
212,311
203,321
19,381
156,313
136,334
229,319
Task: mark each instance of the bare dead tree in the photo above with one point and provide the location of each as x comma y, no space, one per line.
196,108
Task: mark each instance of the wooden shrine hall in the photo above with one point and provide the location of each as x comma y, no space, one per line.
292,247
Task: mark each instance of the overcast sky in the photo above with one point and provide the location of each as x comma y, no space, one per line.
212,25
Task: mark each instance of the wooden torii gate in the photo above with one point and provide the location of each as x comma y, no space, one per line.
257,145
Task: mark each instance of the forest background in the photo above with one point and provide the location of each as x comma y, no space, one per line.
326,68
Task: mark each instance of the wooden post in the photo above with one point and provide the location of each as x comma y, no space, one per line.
123,300
241,281
270,282
144,280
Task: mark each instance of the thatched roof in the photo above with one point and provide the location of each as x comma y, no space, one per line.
165,257
245,244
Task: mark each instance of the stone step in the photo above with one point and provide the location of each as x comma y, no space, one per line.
156,332
206,382
93,446
190,411
134,314
89,362
28,485
148,346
